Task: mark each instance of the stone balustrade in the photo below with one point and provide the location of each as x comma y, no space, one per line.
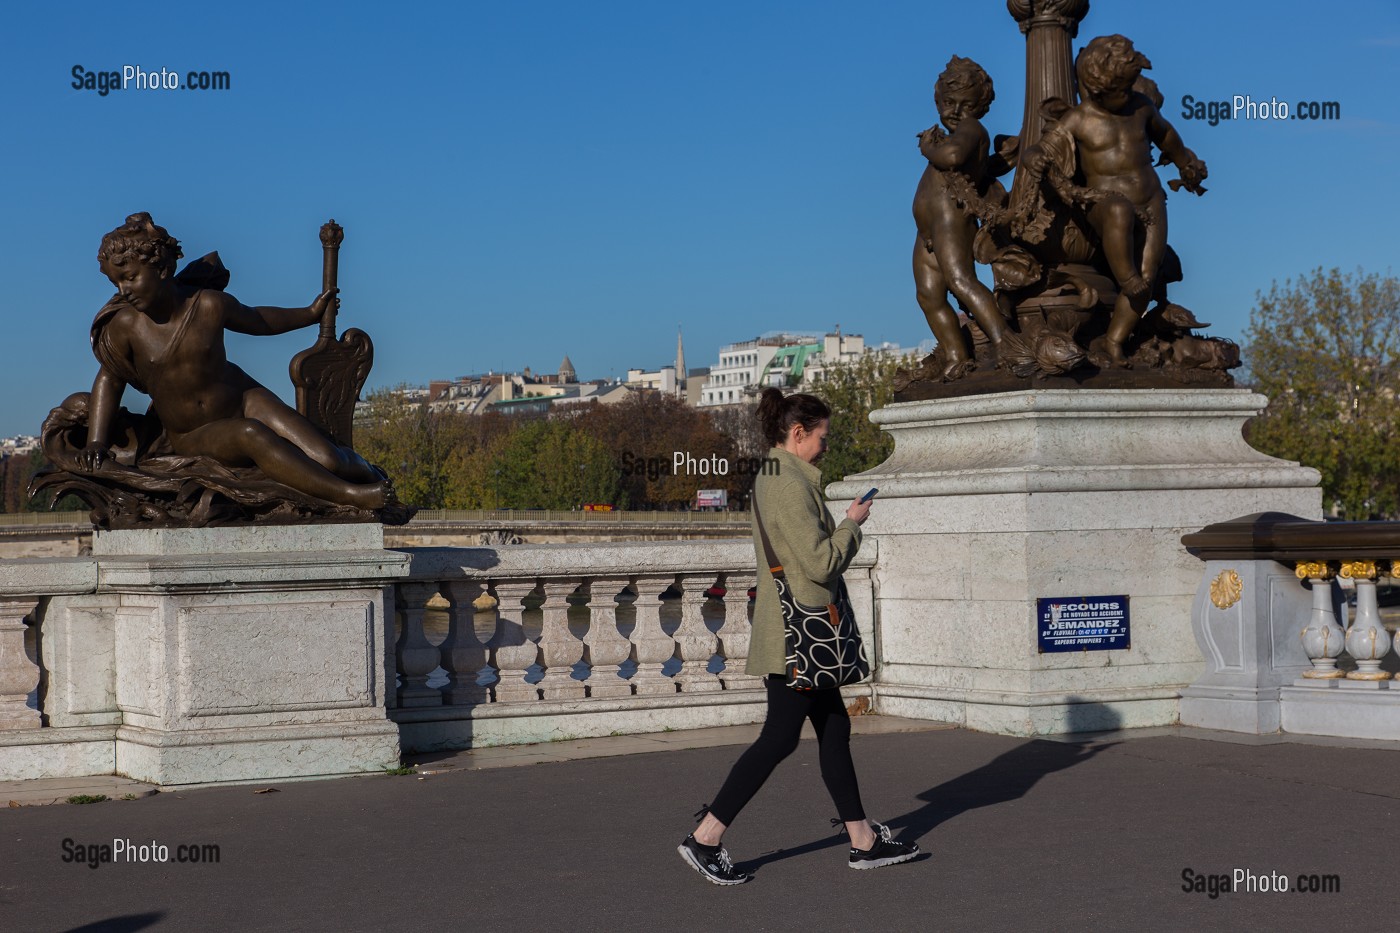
26,588
1272,620
39,739
539,642
1365,640
164,651
19,665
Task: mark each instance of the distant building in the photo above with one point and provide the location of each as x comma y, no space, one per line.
670,379
604,393
741,365
841,349
791,362
19,444
695,384
836,349
663,380
788,367
477,393
528,405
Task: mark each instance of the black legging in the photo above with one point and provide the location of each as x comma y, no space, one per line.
781,732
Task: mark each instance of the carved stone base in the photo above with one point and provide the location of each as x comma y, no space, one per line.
237,654
991,502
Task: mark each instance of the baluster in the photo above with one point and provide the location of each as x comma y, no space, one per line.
513,653
417,657
695,643
560,649
1367,639
463,654
1323,639
651,646
734,634
19,675
604,646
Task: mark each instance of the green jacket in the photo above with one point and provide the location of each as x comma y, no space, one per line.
812,548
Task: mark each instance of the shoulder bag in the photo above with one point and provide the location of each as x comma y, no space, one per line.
823,645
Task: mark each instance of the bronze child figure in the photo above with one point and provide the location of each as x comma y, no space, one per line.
958,185
166,338
1111,132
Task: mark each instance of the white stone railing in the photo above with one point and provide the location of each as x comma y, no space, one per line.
19,663
26,587
241,654
61,737
1272,622
1366,639
540,642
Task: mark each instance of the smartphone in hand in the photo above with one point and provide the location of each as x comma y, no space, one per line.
869,495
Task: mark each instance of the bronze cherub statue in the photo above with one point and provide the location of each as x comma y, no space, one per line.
216,446
958,188
1107,140
1078,249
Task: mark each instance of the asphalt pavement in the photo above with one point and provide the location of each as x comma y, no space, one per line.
1037,834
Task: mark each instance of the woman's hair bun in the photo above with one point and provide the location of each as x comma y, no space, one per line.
777,413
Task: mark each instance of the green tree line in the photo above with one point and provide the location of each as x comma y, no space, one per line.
16,471
1323,348
620,454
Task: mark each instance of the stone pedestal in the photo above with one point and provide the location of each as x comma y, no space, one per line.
989,502
247,654
1247,619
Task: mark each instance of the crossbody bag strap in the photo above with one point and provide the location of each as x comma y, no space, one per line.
775,568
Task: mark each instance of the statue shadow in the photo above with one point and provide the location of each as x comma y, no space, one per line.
1007,777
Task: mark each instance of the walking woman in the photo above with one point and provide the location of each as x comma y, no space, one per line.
814,551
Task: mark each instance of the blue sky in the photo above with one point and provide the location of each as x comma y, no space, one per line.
519,181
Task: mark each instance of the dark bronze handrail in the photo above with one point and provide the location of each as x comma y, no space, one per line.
1287,538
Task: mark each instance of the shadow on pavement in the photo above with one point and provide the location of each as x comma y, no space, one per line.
1006,777
837,840
1010,775
125,924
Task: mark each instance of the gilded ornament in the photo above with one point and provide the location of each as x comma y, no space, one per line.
1225,589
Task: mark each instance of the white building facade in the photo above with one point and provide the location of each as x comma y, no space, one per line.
785,361
740,368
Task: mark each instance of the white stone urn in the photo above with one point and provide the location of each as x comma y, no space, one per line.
1367,639
1322,638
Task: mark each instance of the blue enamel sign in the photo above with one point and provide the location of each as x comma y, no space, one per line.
1082,623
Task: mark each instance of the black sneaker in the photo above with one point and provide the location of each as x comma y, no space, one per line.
712,862
884,852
